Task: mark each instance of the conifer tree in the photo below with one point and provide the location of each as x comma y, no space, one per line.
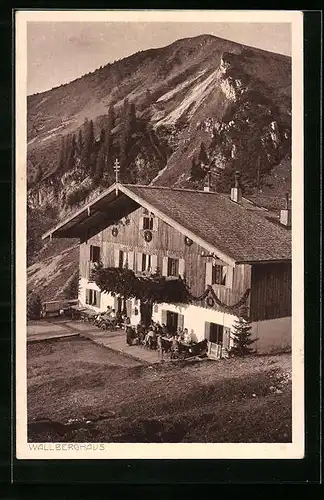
128,128
80,142
109,140
71,152
196,172
99,166
111,119
242,335
62,154
102,136
202,157
88,148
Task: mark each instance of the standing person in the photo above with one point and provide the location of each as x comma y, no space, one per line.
160,345
129,335
151,337
141,333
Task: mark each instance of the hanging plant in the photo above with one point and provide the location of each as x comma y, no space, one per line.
153,288
156,288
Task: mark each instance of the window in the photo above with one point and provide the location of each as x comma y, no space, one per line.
93,297
148,222
219,275
173,267
94,253
146,262
123,259
216,333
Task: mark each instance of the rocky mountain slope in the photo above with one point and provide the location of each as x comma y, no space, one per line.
200,107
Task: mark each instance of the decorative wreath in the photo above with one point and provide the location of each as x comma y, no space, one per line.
210,301
188,241
147,236
114,231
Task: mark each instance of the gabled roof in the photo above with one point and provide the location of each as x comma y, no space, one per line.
237,232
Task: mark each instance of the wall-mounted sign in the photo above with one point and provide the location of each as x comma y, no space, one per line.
148,235
210,301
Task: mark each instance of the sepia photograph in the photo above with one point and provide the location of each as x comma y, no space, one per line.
159,186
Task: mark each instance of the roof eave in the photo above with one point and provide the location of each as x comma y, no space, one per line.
265,261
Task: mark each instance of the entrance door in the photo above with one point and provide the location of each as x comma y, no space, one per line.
216,333
146,313
172,321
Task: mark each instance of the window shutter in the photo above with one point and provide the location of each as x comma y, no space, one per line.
207,330
131,260
164,317
139,262
116,252
141,222
129,308
98,298
155,223
209,273
165,266
229,276
181,267
226,337
180,321
154,263
87,296
91,253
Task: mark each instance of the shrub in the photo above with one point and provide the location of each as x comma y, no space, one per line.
34,306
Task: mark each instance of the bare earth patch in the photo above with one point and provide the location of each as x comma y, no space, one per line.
80,392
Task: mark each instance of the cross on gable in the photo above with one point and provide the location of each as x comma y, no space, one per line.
117,169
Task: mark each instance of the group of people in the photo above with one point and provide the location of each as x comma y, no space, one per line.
113,317
157,336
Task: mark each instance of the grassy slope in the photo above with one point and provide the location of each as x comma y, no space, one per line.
225,401
57,262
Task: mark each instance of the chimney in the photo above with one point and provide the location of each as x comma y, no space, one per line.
236,192
207,187
285,213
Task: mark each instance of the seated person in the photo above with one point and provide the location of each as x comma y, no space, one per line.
186,336
164,330
180,334
113,314
152,337
174,346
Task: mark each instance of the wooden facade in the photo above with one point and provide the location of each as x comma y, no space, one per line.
270,291
166,242
270,283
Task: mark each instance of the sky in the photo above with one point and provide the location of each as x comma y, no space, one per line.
59,52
